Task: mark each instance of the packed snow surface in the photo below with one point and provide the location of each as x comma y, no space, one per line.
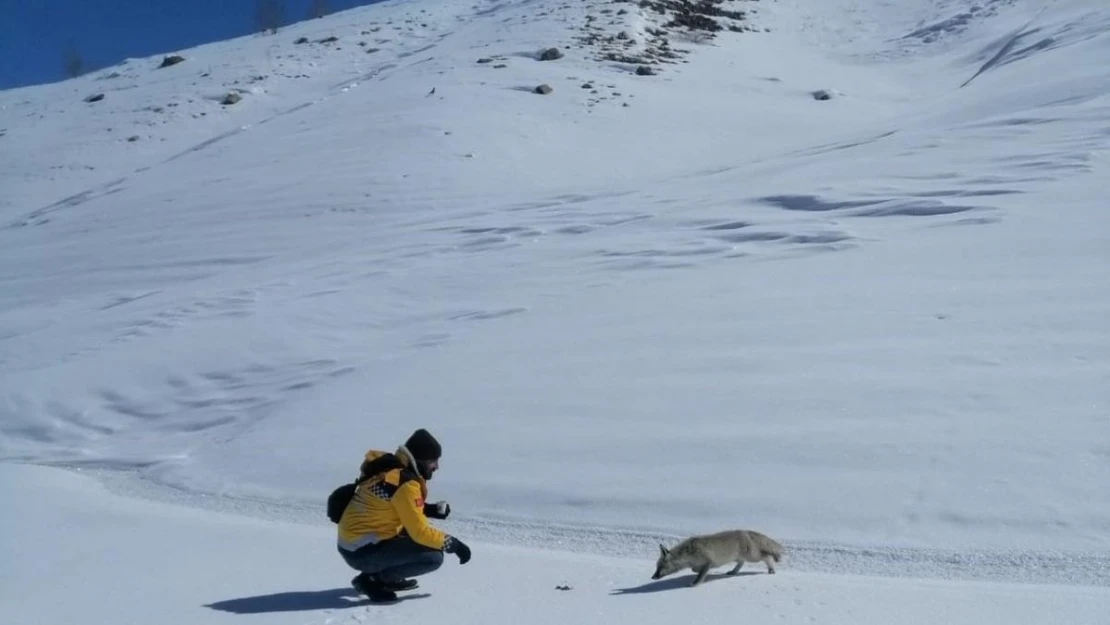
136,561
840,274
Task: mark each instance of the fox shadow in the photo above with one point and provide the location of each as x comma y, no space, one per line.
677,583
300,601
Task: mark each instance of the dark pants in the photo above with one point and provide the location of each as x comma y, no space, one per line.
394,559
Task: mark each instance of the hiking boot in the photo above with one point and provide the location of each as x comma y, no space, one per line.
399,584
372,588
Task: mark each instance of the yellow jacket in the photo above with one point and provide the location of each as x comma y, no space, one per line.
387,503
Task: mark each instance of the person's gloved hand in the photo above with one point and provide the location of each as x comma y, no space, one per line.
457,547
437,510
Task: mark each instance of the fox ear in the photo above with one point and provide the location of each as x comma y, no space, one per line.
663,550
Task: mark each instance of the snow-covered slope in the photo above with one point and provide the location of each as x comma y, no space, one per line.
639,306
217,568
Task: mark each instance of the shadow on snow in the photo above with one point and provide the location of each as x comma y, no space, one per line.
300,601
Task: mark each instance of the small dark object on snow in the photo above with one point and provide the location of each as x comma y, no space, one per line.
173,59
562,587
231,98
551,54
483,61
96,97
543,89
133,138
301,40
500,66
331,39
822,94
644,70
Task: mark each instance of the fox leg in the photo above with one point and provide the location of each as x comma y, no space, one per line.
736,569
702,572
769,561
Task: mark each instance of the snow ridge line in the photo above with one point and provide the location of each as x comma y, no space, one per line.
972,564
1012,42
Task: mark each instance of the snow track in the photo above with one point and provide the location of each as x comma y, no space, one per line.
1019,565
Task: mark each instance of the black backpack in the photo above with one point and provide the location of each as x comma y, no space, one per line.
340,498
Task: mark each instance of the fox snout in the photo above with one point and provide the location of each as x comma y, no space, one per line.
656,575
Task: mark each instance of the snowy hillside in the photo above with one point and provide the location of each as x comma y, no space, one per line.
839,271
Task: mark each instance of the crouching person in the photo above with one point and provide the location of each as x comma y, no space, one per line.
384,532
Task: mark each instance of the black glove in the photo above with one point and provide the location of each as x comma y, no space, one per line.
437,510
458,547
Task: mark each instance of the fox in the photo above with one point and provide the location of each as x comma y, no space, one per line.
701,553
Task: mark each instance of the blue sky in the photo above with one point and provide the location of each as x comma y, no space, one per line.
35,33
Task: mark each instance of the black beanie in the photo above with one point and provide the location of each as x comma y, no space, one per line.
423,446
